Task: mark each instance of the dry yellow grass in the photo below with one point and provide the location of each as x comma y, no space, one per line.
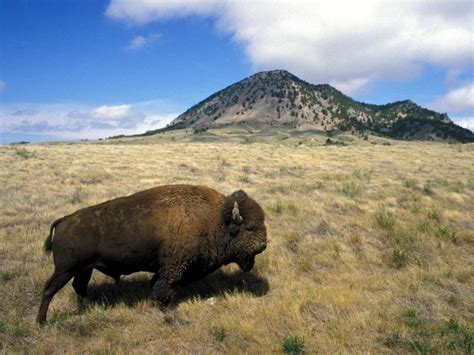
370,247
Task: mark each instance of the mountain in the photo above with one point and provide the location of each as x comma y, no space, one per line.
279,98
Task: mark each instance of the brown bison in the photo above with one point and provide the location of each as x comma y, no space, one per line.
180,233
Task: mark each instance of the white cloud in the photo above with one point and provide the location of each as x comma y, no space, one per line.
79,121
350,44
351,86
140,41
111,112
144,11
466,122
2,86
137,42
460,99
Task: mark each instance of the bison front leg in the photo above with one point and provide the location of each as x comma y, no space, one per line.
164,283
163,291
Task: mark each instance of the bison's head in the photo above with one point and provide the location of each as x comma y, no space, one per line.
245,222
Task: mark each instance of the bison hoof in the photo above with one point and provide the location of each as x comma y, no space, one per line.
164,301
41,321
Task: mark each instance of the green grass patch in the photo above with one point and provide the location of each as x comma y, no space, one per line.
412,319
277,207
431,337
218,333
385,219
10,275
13,325
293,344
351,189
244,178
398,258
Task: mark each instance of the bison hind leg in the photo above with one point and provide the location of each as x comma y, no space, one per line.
53,285
80,282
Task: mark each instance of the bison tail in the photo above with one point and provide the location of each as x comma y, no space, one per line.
48,243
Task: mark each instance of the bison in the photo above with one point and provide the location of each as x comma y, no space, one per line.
181,233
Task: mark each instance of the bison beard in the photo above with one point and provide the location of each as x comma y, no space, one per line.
180,233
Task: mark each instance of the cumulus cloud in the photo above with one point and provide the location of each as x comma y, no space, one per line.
111,112
348,44
140,41
2,86
79,121
460,99
466,122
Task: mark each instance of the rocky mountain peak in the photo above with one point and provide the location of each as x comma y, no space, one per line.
279,98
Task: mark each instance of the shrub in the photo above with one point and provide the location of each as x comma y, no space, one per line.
293,344
445,231
277,208
411,319
169,320
329,141
398,258
24,153
244,178
410,183
420,347
385,219
292,208
198,130
427,189
351,189
393,340
218,333
9,275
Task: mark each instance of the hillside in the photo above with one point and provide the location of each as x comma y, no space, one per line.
278,98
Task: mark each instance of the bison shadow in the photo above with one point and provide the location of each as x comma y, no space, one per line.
130,292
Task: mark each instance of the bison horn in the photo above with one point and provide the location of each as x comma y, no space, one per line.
236,218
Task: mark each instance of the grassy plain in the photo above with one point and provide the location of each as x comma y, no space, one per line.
370,249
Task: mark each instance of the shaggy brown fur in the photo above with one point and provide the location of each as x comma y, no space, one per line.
181,233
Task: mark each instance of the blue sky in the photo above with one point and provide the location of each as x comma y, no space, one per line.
89,69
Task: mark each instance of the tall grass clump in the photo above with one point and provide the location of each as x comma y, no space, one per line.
293,344
218,333
351,189
385,219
